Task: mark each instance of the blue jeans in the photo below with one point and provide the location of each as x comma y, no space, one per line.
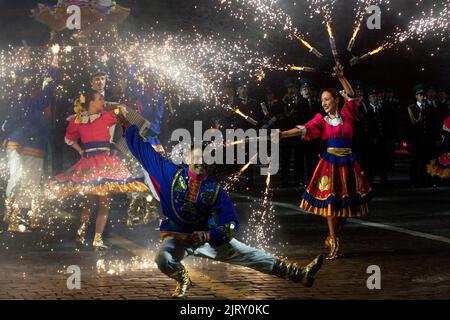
172,251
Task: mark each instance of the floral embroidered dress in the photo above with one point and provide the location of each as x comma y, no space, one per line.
97,172
440,167
338,187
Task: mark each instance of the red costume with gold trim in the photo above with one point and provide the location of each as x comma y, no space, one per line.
338,187
97,172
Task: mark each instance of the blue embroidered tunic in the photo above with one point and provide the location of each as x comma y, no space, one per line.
212,208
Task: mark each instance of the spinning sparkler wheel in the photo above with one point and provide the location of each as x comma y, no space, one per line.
96,15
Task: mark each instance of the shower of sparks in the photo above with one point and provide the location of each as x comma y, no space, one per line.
431,23
263,222
268,15
360,13
186,67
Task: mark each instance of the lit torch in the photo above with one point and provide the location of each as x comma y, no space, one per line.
306,69
352,40
357,60
268,181
332,41
310,47
247,118
247,165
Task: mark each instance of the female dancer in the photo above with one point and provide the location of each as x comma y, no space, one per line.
338,189
440,167
97,174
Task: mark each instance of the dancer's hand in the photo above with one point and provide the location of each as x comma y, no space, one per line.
199,238
338,71
120,114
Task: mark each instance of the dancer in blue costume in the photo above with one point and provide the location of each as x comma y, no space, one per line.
200,219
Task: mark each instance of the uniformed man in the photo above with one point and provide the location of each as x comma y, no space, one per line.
307,151
248,107
420,134
29,128
360,127
378,124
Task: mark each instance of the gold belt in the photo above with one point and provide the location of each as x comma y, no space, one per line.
340,152
97,149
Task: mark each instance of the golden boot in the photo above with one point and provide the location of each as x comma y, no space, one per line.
292,271
136,212
183,283
151,211
9,207
334,246
99,244
17,223
81,232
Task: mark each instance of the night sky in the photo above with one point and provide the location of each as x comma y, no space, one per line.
397,67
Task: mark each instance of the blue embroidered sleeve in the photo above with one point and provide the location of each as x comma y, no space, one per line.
159,168
226,215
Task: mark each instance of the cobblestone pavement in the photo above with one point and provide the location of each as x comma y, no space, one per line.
409,242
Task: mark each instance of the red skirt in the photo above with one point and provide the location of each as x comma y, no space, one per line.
97,175
338,188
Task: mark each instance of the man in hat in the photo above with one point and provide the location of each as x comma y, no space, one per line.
250,108
360,127
392,105
379,131
290,104
29,129
443,103
420,135
306,151
431,94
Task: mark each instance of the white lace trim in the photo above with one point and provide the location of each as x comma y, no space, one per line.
334,121
86,117
302,130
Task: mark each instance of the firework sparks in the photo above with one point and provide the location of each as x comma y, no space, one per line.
360,12
269,16
429,23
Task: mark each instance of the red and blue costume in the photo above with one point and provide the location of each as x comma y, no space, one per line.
97,172
338,187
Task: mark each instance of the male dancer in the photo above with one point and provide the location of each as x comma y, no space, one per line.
29,129
201,219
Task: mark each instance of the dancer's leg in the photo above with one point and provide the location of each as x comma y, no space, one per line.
168,259
88,206
238,253
102,219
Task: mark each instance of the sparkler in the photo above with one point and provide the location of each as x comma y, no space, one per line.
306,69
356,60
332,41
308,46
244,168
247,118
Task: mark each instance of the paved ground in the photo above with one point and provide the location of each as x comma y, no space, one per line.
406,235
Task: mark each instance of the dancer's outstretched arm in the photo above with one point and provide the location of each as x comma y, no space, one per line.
158,167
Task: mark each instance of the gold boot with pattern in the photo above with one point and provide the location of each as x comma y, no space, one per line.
183,283
292,271
136,212
81,232
333,245
99,244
